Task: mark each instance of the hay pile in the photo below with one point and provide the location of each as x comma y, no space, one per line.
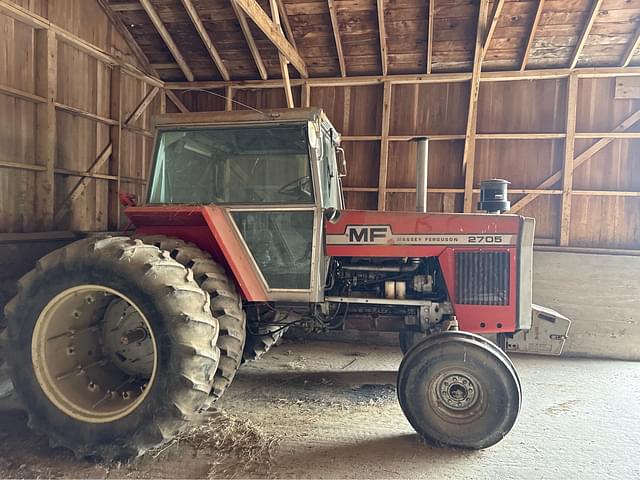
236,447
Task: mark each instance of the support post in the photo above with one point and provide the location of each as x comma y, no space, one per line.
116,148
228,99
384,146
46,62
567,167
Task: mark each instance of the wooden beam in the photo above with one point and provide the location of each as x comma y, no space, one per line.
432,13
78,112
21,94
251,43
167,38
532,35
116,148
492,28
383,37
631,49
284,67
273,32
141,107
128,37
569,153
46,77
468,159
228,99
82,184
595,8
335,27
384,146
305,95
177,102
206,39
287,25
579,160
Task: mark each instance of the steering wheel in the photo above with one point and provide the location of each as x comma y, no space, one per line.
299,185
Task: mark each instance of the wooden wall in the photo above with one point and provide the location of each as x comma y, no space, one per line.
521,137
83,118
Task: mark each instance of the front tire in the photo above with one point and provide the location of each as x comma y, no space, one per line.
112,347
457,390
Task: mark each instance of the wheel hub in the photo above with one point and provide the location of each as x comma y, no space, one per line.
456,396
457,391
94,353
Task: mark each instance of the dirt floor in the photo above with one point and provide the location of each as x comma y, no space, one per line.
321,410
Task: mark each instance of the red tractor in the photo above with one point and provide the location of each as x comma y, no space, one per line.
114,343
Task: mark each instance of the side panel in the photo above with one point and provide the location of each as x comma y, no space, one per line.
210,229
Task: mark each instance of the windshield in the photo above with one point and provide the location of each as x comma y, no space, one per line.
254,165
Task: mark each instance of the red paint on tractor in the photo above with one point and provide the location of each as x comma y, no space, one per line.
451,228
210,228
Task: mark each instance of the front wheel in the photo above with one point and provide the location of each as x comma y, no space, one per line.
456,390
112,347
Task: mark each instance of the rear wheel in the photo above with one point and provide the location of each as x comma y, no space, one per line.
408,338
262,335
112,347
457,390
226,304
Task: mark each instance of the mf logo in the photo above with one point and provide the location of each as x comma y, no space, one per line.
367,234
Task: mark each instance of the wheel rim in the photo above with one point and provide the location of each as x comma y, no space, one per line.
456,396
94,353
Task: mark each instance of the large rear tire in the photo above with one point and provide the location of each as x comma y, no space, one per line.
262,336
112,347
457,390
226,304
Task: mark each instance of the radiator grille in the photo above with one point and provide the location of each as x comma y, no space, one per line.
482,278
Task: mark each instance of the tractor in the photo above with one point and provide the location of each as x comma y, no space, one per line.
115,343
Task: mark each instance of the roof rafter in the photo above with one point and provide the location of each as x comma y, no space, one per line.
336,35
273,32
206,39
595,8
631,49
287,26
284,67
251,43
166,37
532,35
383,37
432,13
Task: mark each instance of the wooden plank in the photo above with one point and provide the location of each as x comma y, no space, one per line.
383,37
492,28
468,160
432,5
206,39
567,166
116,148
167,38
335,27
21,94
627,88
78,112
305,97
177,102
251,43
141,107
579,160
273,32
46,78
591,18
228,99
631,49
127,36
287,25
532,35
284,68
82,184
22,166
384,146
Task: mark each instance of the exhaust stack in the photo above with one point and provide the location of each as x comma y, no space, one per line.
422,167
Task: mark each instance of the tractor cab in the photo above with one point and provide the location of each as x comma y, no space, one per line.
273,173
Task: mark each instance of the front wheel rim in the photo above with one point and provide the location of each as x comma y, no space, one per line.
456,396
94,353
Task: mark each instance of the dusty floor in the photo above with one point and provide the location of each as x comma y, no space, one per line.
323,410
